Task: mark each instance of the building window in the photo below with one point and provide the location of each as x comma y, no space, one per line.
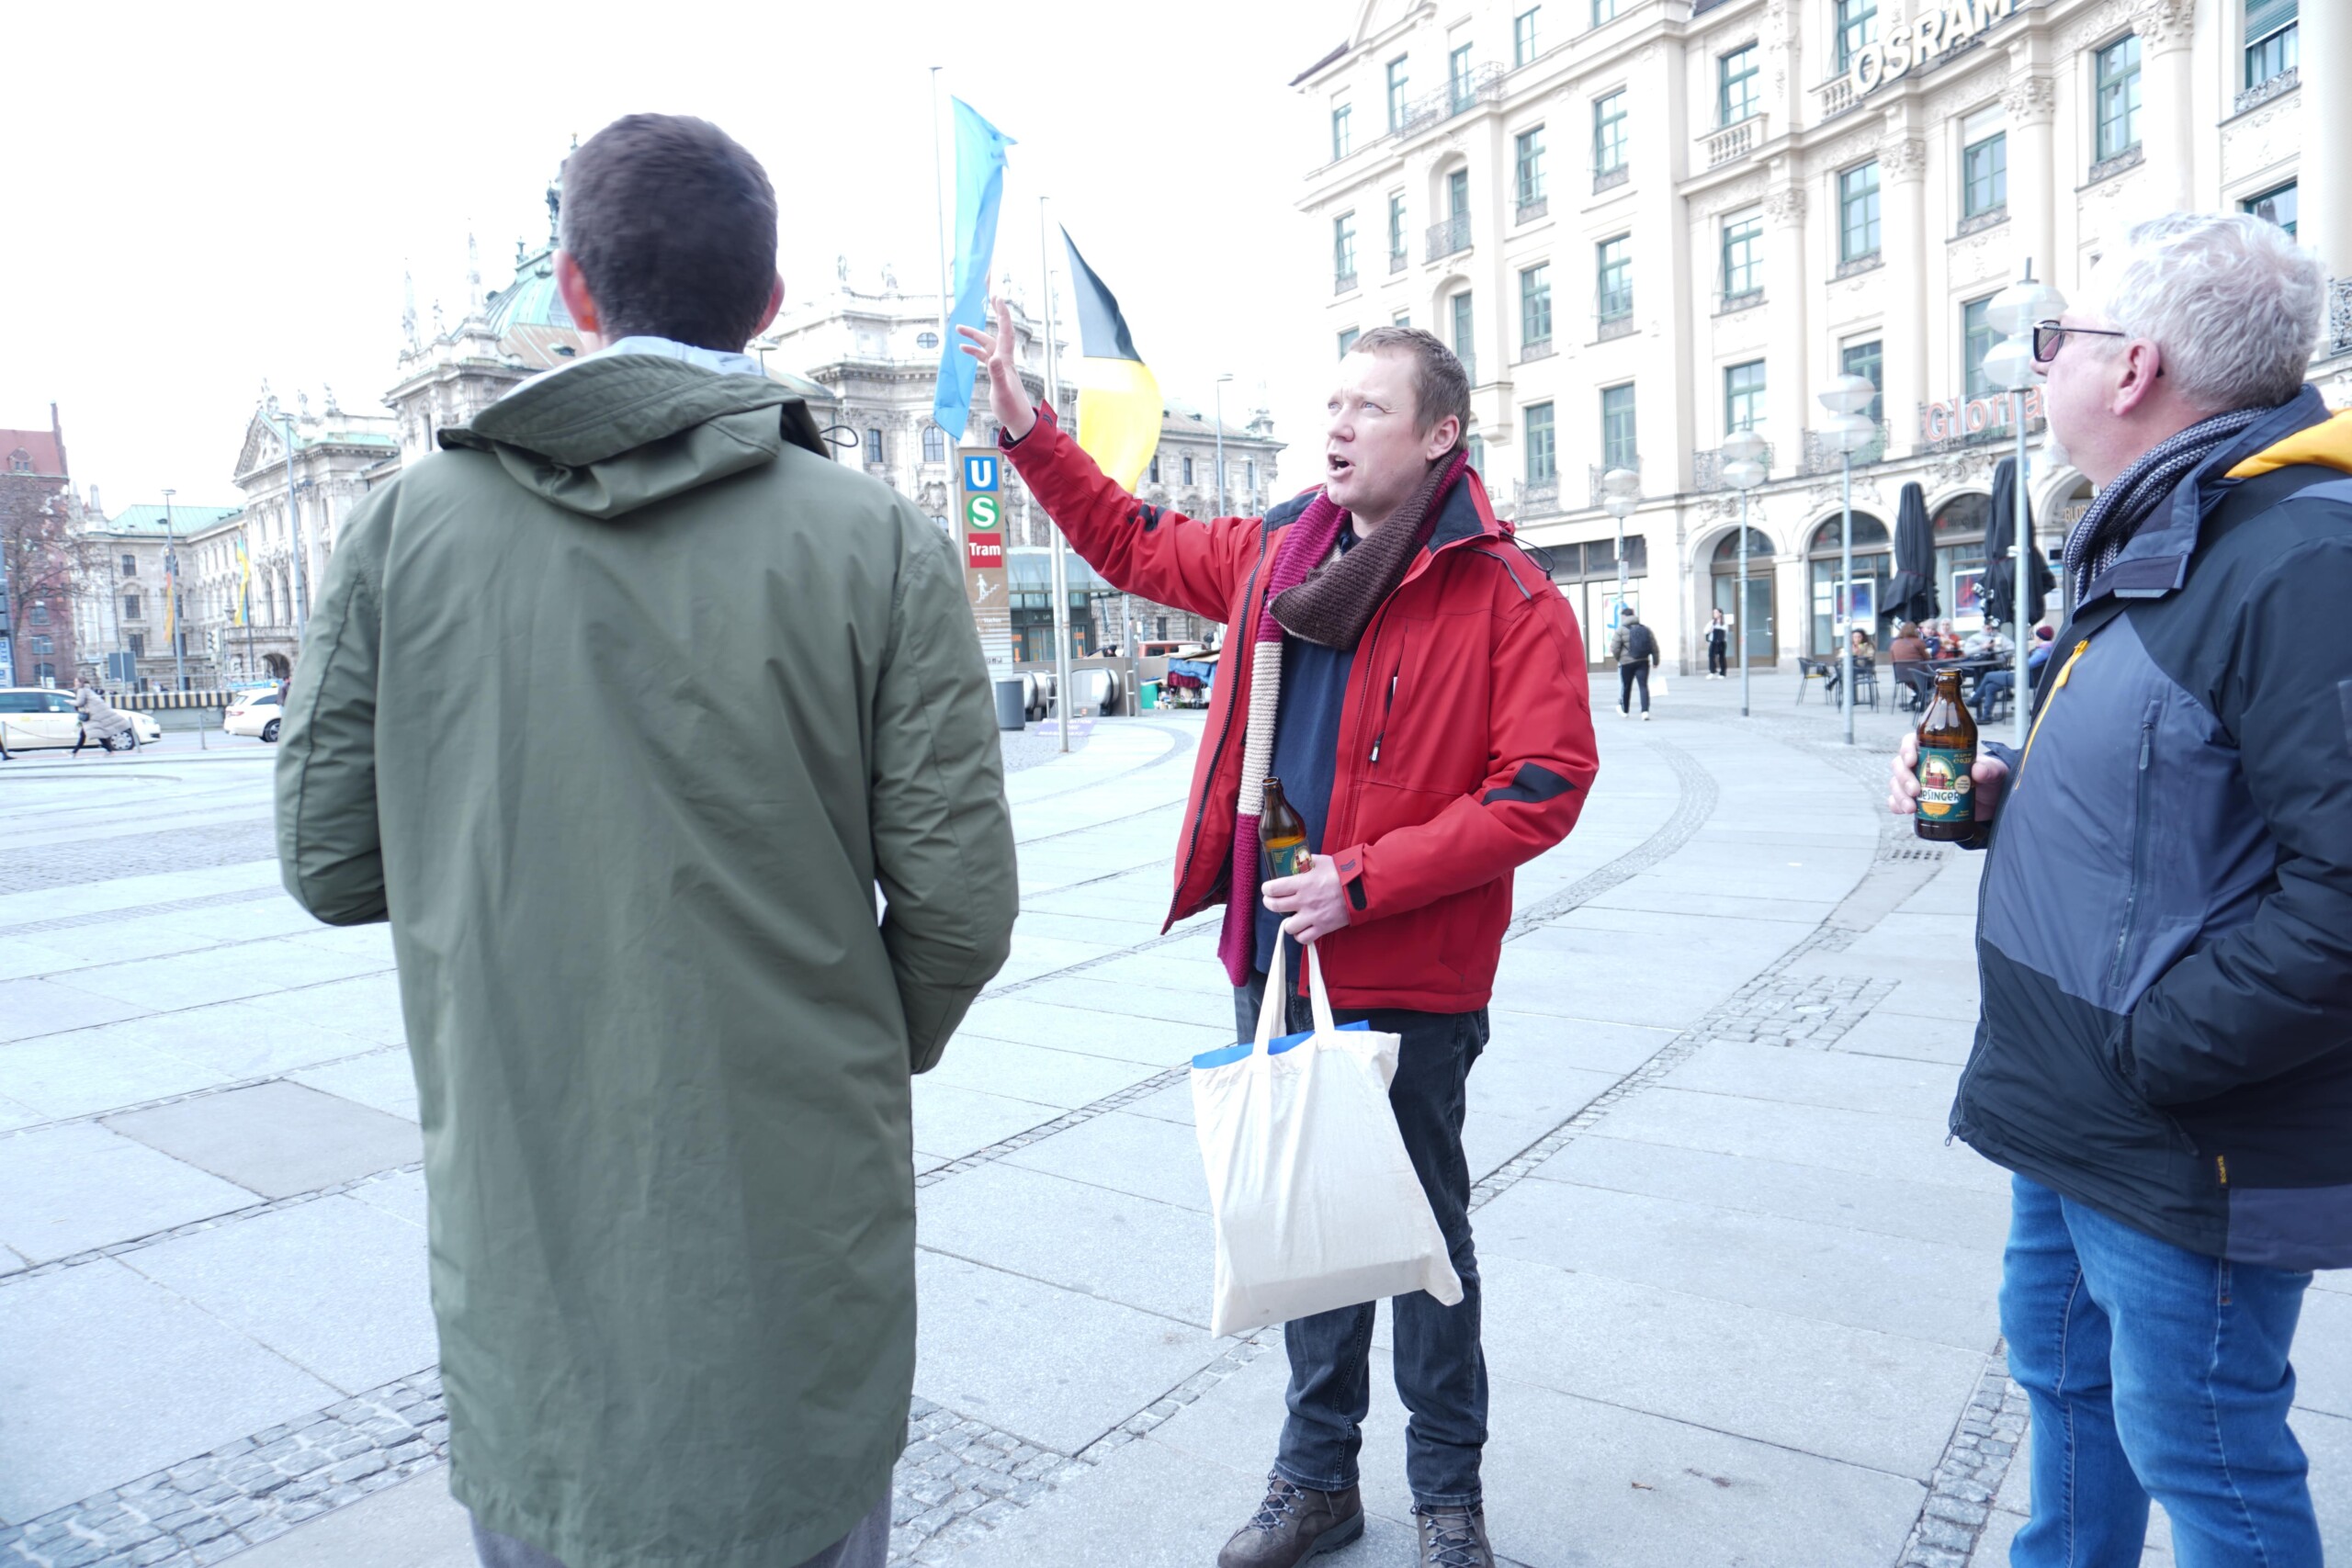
1867,360
1530,165
1342,142
1462,338
1154,470
1457,77
1603,11
1743,396
1343,250
934,443
1348,340
1523,35
1983,164
1249,473
1614,272
1858,213
1608,133
1976,340
131,606
1401,318
874,445
1543,459
1397,83
39,646
1735,90
1617,449
2119,99
1188,467
2277,206
1742,257
1857,30
131,565
2269,40
1535,305
1396,233
40,616
138,641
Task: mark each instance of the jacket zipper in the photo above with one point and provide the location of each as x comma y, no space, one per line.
2059,685
1386,704
2139,844
1200,819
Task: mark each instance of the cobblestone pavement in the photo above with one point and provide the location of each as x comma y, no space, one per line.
1739,1294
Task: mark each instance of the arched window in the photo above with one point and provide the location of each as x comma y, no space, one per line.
1869,534
934,443
1873,563
1727,547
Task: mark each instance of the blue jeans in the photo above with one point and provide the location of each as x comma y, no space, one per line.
1441,1368
2151,1372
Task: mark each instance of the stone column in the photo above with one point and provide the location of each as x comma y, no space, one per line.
1903,184
2324,199
2168,104
1788,379
2032,105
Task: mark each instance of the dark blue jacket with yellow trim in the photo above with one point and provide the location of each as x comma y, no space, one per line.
2166,936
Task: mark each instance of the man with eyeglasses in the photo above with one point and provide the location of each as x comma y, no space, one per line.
2164,1054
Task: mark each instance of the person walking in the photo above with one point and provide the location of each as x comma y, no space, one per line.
720,691
1718,648
1635,649
2164,1054
1409,675
102,722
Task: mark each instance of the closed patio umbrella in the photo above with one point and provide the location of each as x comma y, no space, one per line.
1911,592
2000,536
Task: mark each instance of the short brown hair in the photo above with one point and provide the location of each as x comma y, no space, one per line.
1441,386
673,225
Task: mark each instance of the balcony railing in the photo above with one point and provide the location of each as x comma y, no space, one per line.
1449,236
1536,348
1614,327
1396,261
1458,97
1610,179
1820,458
1596,470
1536,499
1745,299
1530,210
1732,141
1344,282
1835,96
1707,467
2339,316
2263,92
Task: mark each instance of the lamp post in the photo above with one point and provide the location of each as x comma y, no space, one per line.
297,536
1620,492
172,596
1220,440
1849,430
1743,453
2012,313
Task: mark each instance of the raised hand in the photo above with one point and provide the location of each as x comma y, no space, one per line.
998,353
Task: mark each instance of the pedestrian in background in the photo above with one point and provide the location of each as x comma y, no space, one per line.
1718,648
1907,647
1635,649
1425,768
719,689
101,720
2165,1056
1994,685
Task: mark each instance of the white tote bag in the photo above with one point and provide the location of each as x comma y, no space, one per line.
1316,1204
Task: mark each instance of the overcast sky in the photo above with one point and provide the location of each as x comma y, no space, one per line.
203,198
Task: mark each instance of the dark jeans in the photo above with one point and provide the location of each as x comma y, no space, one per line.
1718,659
1991,684
1441,1369
2152,1372
1627,674
868,1545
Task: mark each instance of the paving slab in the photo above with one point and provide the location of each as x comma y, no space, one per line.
66,1189
383,1079
106,1376
1154,1257
951,1122
90,1070
367,1006
1139,1154
1897,1285
1157,1042
1867,1146
1889,1031
1063,1078
413,1525
30,1008
1793,1075
1207,1008
1585,1044
181,980
238,1040
337,1287
276,1138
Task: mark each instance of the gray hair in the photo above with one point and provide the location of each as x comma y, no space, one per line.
2229,299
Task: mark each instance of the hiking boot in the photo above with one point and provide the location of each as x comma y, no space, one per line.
1293,1523
1454,1538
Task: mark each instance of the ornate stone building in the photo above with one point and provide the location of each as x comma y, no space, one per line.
1645,224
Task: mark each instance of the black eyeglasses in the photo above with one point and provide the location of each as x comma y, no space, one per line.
2048,335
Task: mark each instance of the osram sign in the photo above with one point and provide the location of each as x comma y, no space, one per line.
1941,25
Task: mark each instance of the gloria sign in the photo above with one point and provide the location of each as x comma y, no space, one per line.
1940,25
1972,416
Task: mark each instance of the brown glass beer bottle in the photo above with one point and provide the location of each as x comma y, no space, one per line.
1282,833
1947,754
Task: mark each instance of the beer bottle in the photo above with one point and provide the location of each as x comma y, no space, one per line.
1947,754
1282,833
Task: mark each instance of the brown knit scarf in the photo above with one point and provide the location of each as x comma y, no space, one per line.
1337,598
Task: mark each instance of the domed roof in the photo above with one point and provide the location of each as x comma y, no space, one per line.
530,301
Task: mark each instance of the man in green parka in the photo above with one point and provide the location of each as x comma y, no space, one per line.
620,708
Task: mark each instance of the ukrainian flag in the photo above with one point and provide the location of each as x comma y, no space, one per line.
1118,401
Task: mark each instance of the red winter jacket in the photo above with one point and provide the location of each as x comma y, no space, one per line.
1465,737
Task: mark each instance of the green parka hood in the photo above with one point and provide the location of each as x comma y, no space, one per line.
615,432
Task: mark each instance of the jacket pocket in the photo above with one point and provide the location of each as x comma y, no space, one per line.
2141,793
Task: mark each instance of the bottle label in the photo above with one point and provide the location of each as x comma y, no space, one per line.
1289,860
1947,793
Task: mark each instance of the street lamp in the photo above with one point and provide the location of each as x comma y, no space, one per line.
1620,492
1847,431
1743,469
297,535
2013,313
1220,440
172,595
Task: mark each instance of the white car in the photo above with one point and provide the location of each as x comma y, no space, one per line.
253,713
35,718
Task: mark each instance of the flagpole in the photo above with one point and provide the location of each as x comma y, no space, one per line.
939,219
1061,567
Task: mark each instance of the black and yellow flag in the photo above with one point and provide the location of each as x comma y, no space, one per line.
1118,401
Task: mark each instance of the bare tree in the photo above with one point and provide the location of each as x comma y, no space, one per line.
45,559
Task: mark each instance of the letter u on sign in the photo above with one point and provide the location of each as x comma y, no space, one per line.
979,472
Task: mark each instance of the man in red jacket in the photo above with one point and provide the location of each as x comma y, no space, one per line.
1420,689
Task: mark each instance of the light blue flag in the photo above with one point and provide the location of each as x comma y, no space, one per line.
979,188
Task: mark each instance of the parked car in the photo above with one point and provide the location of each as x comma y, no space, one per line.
35,718
253,713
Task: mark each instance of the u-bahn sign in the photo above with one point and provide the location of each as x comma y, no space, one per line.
979,511
1939,26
